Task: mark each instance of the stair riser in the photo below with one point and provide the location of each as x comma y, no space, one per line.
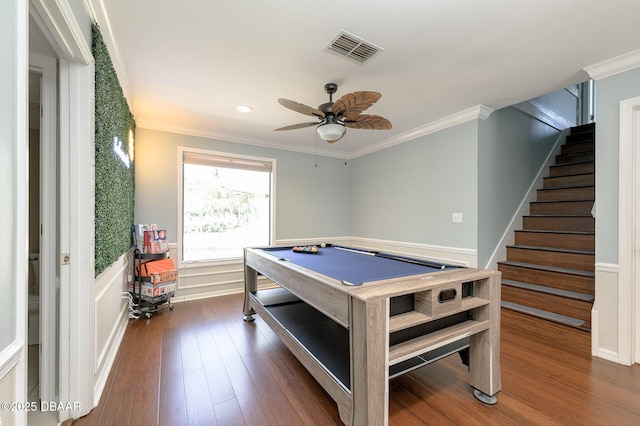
574,224
583,262
568,241
572,148
580,137
567,340
583,128
559,280
569,181
562,208
571,340
567,194
574,158
549,302
572,169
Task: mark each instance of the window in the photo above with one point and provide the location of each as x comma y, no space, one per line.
226,205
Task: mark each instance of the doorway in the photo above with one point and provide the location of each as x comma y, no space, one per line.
43,274
33,273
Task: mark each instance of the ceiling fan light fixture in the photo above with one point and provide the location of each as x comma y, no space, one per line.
331,131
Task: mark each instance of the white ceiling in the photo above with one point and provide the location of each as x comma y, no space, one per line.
186,65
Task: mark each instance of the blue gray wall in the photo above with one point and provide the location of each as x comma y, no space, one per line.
310,201
409,191
513,146
610,91
405,193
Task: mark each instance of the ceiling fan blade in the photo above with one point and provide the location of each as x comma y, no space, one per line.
354,103
368,122
301,108
297,126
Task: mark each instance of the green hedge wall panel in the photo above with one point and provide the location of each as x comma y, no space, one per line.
114,180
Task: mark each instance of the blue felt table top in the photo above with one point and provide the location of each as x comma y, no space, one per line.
352,266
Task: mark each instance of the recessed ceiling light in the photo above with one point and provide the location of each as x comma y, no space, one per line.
243,108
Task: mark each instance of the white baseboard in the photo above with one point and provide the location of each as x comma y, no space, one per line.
608,355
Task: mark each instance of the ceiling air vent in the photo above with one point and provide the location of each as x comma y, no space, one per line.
353,47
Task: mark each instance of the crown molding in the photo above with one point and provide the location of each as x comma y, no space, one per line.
477,112
162,127
614,66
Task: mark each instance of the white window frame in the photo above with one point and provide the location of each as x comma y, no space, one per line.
272,219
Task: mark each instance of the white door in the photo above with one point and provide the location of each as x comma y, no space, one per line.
47,67
60,26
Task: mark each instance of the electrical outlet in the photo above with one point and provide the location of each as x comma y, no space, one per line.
456,217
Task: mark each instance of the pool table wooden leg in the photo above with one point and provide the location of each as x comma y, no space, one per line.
484,348
250,285
369,370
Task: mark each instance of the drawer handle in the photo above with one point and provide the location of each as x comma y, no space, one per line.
447,295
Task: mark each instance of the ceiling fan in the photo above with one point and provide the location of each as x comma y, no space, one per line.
336,116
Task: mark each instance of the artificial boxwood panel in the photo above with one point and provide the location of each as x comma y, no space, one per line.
114,181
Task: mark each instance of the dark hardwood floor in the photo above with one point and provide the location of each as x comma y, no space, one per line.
201,364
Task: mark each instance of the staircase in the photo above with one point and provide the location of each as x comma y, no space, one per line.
549,271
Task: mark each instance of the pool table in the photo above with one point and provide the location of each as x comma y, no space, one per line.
356,318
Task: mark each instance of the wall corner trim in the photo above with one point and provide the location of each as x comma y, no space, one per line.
614,66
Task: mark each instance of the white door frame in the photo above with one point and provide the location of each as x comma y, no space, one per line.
47,66
629,233
76,131
14,142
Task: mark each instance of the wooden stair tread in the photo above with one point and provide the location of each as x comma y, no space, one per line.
573,187
553,249
587,274
550,290
577,162
559,215
551,316
545,231
560,201
549,271
572,174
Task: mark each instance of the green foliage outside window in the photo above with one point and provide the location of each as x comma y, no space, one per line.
214,207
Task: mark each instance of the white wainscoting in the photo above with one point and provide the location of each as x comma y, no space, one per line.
199,281
211,279
604,315
202,280
10,376
111,319
451,255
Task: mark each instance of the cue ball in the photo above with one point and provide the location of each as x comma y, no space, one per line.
323,245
